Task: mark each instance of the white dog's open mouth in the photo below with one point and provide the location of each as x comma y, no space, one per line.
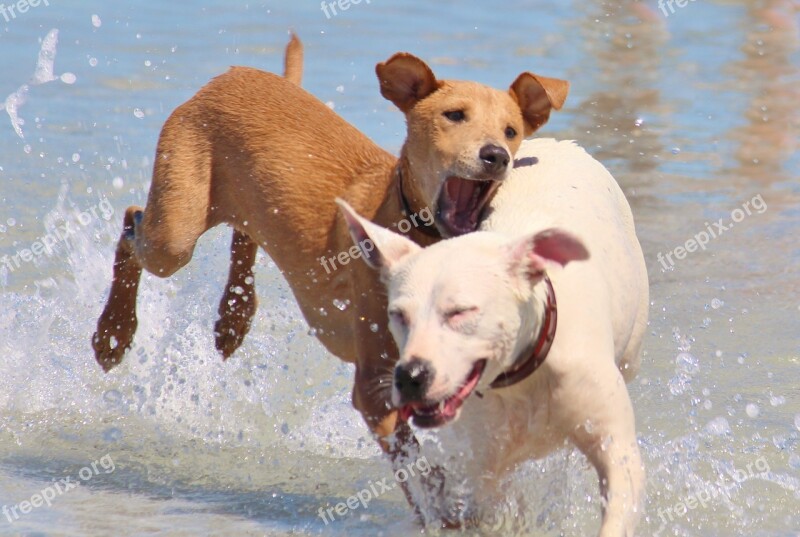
428,415
461,203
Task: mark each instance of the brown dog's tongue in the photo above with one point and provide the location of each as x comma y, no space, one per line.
462,192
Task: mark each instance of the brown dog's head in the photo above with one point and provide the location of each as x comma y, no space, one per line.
462,136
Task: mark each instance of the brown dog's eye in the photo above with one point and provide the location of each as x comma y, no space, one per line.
456,116
511,133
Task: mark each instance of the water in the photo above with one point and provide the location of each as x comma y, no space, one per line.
696,115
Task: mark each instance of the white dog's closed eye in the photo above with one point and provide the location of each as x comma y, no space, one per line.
462,318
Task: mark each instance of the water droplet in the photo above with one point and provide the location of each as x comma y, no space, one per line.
112,342
93,62
678,384
138,112
117,183
340,89
797,421
323,312
75,157
112,435
11,222
707,404
752,410
27,148
69,78
341,305
285,428
718,353
589,426
676,150
639,121
717,303
718,426
112,397
374,327
687,363
249,280
777,400
239,290
794,461
96,22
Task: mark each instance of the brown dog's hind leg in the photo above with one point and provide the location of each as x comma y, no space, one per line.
239,302
117,323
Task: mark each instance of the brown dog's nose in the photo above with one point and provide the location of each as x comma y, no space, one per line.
495,159
413,379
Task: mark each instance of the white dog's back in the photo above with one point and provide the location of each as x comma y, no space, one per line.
567,188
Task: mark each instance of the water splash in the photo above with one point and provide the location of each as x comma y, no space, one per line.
44,73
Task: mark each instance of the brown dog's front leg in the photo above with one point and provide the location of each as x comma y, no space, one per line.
397,440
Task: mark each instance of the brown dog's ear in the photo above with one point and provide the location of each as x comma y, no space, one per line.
405,80
536,96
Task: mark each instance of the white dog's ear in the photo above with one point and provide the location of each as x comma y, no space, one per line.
530,256
379,247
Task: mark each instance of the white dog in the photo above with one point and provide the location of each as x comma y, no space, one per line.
477,315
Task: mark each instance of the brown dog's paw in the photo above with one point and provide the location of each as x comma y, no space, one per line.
109,349
234,323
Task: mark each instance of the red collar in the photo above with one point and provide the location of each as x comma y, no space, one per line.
525,368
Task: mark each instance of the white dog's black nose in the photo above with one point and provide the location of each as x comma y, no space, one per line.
495,159
413,379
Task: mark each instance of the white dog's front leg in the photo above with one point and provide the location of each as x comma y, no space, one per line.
607,436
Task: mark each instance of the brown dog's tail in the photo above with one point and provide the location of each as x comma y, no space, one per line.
293,61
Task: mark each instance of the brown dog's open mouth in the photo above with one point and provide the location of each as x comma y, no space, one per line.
428,415
461,203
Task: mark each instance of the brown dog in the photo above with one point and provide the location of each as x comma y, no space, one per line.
255,151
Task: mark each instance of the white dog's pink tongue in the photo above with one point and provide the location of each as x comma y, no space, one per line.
446,410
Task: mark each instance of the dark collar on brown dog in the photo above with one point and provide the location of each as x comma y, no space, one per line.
405,208
531,359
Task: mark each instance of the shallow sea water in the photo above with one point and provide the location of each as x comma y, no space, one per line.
695,113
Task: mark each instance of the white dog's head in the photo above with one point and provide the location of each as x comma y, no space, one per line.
460,311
